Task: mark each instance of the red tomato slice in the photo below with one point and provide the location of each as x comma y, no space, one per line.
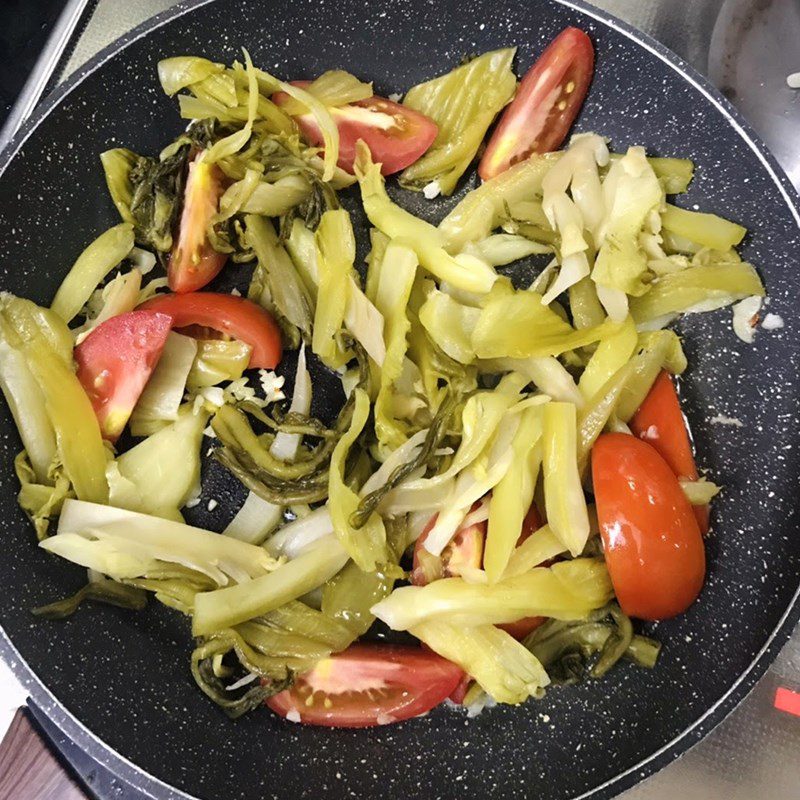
396,135
659,421
368,684
520,628
547,101
653,546
193,262
231,315
114,362
465,549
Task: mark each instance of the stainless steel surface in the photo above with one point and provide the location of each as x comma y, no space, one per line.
44,69
747,47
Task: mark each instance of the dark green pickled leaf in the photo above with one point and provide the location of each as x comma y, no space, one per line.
100,591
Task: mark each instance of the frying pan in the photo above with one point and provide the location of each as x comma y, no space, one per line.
118,683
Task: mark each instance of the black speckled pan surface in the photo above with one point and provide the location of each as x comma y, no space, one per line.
119,683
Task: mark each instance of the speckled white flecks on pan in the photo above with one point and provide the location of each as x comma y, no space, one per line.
125,677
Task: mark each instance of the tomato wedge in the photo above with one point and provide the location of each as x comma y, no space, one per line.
368,684
660,422
193,262
396,136
114,362
465,550
231,315
520,628
653,546
547,101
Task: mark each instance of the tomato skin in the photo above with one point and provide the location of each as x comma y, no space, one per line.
231,315
115,361
533,123
392,682
653,546
395,148
193,262
659,421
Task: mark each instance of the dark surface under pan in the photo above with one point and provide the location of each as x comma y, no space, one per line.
123,678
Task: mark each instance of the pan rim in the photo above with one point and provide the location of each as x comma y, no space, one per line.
144,781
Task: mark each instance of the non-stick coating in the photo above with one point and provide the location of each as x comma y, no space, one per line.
125,676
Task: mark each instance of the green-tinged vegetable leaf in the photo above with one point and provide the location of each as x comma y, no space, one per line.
335,256
517,325
567,590
99,591
505,669
79,444
463,271
512,496
333,88
165,467
542,545
563,493
235,604
398,269
504,248
365,545
91,267
450,324
217,361
567,649
463,103
631,191
697,289
179,72
675,174
611,354
41,502
706,230
584,305
275,283
158,404
486,208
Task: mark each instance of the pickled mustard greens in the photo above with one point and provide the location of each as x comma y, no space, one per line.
472,402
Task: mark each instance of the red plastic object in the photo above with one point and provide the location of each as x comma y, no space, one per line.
787,700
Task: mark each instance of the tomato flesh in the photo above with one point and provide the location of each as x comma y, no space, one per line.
193,262
660,422
114,362
465,550
368,684
396,135
234,316
652,542
548,99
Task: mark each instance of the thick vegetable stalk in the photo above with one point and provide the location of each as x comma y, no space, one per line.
367,544
398,269
217,361
160,473
513,494
611,354
91,267
125,544
706,230
567,590
463,271
336,87
232,605
160,401
542,545
463,103
79,445
563,493
504,669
